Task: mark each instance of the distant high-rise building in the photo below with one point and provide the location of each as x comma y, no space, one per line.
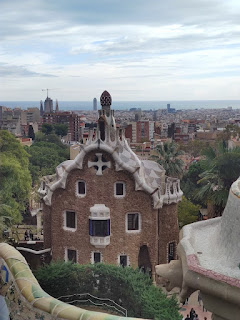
41,108
169,109
95,104
48,105
57,108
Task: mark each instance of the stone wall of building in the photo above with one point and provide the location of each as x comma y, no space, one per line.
168,231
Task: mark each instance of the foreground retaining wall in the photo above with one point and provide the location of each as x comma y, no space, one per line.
22,297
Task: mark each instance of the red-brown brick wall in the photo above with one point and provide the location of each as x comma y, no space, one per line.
100,190
168,230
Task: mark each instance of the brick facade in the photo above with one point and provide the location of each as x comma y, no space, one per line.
100,190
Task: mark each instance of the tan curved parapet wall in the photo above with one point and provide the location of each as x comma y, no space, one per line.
209,261
27,300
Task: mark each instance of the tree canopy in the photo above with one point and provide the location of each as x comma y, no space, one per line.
46,154
15,179
221,168
209,180
168,157
60,129
187,212
130,288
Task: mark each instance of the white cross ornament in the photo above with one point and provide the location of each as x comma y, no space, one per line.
100,164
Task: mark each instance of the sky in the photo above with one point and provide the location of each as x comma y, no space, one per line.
135,49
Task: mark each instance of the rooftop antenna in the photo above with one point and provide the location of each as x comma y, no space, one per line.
46,90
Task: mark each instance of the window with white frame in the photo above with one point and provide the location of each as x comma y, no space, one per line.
119,189
70,221
96,257
81,188
71,255
123,260
133,222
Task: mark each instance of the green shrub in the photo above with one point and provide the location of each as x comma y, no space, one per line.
130,288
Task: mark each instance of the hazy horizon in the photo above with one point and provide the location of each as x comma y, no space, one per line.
125,105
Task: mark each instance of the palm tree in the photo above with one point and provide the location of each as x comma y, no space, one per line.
221,169
168,157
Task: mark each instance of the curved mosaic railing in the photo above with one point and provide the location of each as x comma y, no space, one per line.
25,298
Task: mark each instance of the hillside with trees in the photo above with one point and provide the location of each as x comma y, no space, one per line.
15,178
45,154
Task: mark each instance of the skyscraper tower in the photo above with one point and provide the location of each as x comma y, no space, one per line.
95,104
57,108
48,105
41,108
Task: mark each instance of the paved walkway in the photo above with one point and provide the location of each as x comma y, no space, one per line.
193,303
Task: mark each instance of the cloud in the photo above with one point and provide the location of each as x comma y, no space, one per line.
17,71
82,45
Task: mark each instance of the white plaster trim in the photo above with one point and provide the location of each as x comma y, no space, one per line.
112,147
65,221
139,223
33,251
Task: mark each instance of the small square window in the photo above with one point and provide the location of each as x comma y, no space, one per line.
70,219
81,188
97,257
123,261
119,189
133,221
72,255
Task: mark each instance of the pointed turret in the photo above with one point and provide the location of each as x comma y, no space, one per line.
41,108
106,115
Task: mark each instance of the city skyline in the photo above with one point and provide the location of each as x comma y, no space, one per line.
183,50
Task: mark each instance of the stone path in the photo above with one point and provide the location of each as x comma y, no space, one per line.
193,303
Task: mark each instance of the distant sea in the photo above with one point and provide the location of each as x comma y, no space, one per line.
126,105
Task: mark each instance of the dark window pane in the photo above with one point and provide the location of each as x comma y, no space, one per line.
72,255
171,251
97,257
99,228
81,187
123,261
70,219
133,221
119,189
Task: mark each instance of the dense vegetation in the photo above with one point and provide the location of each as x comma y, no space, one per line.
15,179
46,153
208,181
130,288
59,129
187,212
168,157
18,164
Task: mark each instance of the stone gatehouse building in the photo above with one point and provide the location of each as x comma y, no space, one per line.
108,206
